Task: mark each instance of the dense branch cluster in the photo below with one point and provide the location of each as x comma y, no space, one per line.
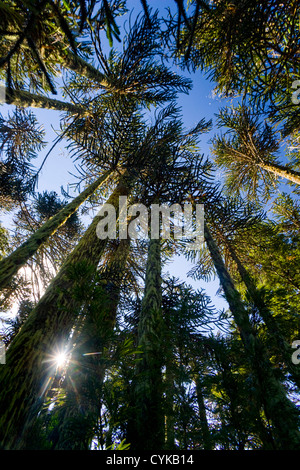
105,349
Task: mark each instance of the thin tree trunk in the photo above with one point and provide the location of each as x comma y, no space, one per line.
26,376
83,68
282,171
206,435
232,295
67,59
268,319
277,406
237,416
169,408
149,415
25,99
10,265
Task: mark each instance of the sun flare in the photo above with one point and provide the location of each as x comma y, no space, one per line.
60,359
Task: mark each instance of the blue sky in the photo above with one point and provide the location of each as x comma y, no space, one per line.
57,171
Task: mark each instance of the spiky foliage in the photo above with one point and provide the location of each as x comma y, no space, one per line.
57,301
48,257
138,69
247,48
227,219
36,38
189,316
248,152
21,138
51,215
232,223
270,388
286,211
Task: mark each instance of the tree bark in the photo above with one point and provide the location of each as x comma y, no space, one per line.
10,265
206,435
277,406
282,171
83,68
268,318
27,374
169,400
88,362
25,99
149,419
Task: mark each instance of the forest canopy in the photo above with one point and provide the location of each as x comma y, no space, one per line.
110,342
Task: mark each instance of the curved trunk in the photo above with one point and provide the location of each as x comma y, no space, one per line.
10,265
277,406
27,374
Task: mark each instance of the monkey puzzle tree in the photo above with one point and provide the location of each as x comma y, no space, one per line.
21,138
272,393
189,316
40,38
43,261
167,152
247,152
152,83
58,302
14,261
148,412
247,48
136,71
231,222
90,352
172,177
49,322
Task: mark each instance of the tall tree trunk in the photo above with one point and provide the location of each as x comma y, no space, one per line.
25,99
283,347
169,386
277,406
206,435
149,417
169,400
88,362
83,68
282,171
251,412
26,375
10,265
